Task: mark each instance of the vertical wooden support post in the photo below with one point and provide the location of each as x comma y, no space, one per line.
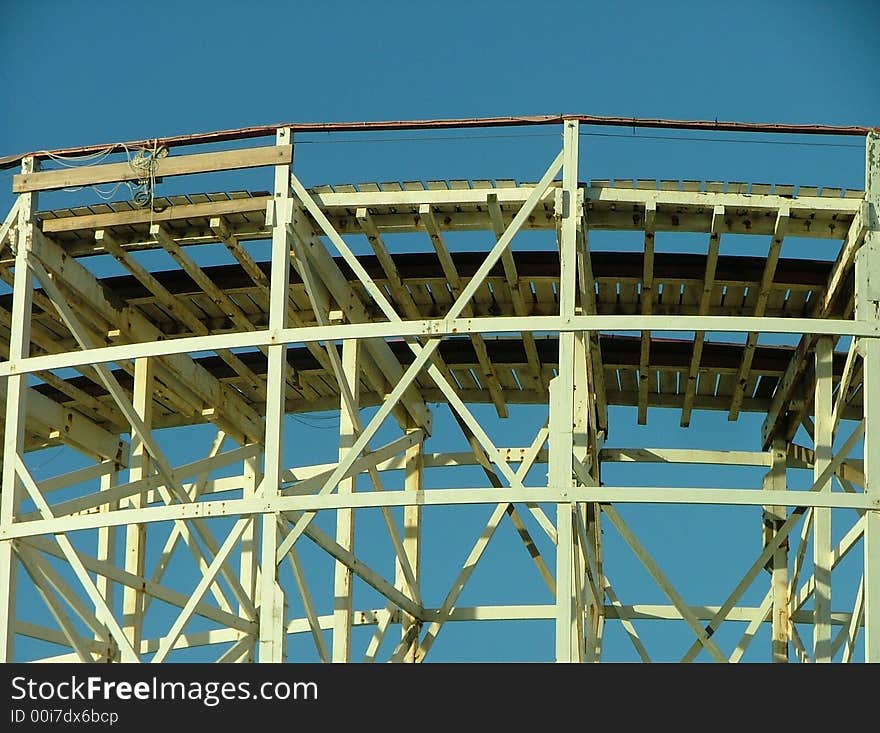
16,389
871,356
822,550
580,426
585,450
595,607
596,627
868,309
107,537
559,471
248,557
774,518
136,534
272,621
342,581
562,405
412,529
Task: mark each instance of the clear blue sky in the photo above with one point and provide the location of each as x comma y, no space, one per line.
96,72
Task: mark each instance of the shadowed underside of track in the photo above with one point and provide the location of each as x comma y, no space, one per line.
796,284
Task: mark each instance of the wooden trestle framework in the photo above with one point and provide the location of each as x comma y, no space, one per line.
305,321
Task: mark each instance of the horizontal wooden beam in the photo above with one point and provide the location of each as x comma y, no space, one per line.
610,208
171,166
53,421
685,455
150,346
608,495
803,206
797,206
208,209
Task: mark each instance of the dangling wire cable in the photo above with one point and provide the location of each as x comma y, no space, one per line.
144,164
80,160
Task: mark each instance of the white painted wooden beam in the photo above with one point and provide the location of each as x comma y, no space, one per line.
868,309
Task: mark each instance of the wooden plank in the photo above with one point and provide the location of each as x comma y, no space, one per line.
165,167
422,297
244,303
776,300
611,379
154,313
734,296
751,385
505,378
204,303
669,292
439,294
765,386
424,381
654,375
316,382
145,216
607,298
648,378
546,295
750,297
668,381
692,295
300,299
628,294
796,304
706,383
527,378
727,385
628,381
464,378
